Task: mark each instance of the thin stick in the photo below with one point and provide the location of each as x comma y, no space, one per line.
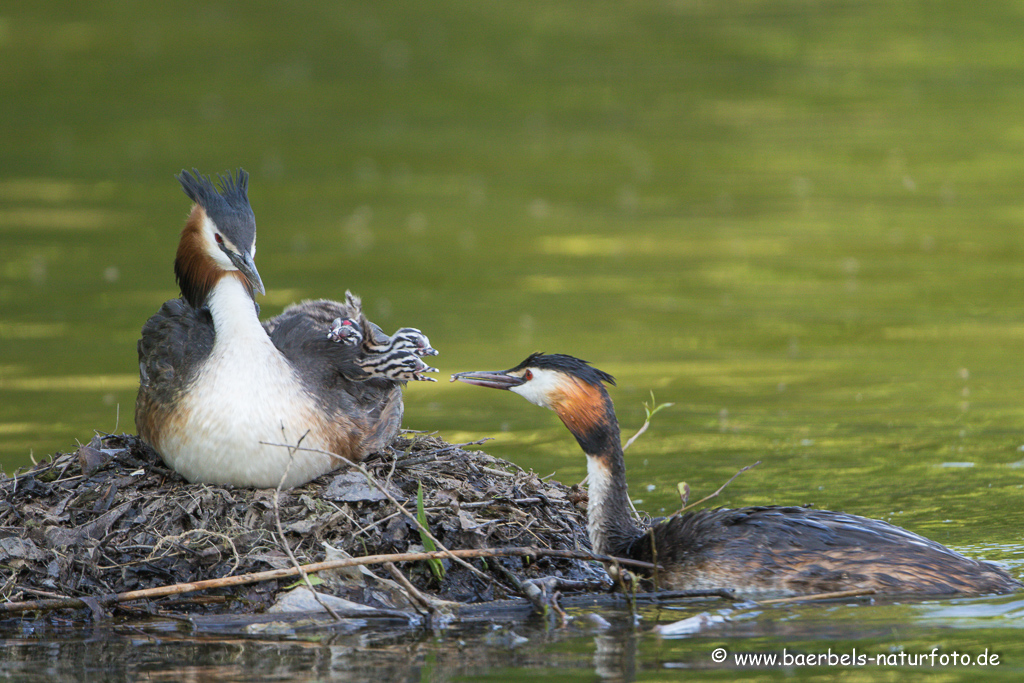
720,488
498,473
394,461
563,618
654,555
415,596
380,487
852,593
176,540
42,594
531,590
647,422
416,521
643,428
284,541
256,577
499,501
724,593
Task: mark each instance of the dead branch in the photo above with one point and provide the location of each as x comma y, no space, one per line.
720,489
414,594
647,423
174,540
852,593
256,577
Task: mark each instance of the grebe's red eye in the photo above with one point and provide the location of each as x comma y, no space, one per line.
220,240
528,375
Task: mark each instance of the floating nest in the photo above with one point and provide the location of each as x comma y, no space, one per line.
111,518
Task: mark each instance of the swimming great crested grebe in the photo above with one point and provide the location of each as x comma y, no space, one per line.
217,388
755,551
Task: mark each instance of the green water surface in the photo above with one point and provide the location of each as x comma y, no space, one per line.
799,222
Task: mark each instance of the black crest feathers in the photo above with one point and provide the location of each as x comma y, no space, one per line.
233,196
567,364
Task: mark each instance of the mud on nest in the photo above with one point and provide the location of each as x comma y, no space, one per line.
111,518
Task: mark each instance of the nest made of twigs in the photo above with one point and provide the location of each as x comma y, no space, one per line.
111,518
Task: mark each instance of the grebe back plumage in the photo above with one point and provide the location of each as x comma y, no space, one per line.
759,551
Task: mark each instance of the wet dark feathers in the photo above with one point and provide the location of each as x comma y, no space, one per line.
814,550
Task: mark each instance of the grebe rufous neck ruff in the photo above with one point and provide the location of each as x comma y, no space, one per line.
219,390
755,551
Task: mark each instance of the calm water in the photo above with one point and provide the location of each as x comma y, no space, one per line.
798,222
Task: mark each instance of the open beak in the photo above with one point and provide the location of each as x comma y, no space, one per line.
494,380
247,267
423,367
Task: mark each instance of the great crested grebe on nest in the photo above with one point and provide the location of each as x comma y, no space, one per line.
221,394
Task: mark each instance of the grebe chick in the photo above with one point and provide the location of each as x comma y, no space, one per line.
757,552
397,365
346,331
407,339
219,391
412,340
349,345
